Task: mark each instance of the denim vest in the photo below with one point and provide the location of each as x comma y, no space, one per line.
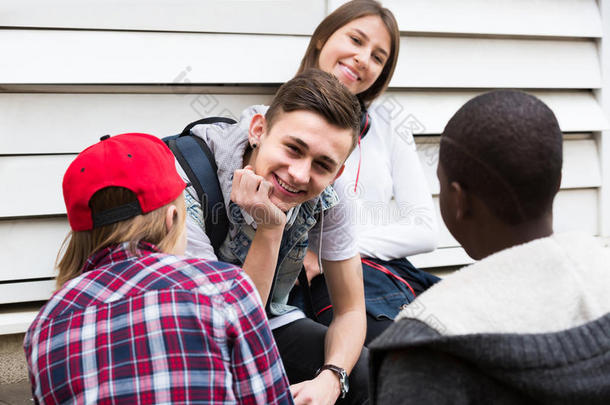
292,248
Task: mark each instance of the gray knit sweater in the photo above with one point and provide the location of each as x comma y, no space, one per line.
413,364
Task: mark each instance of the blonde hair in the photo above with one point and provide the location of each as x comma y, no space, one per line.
78,246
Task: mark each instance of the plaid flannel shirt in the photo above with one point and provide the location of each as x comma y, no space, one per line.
146,327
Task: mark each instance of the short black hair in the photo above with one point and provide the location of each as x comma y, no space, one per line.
505,147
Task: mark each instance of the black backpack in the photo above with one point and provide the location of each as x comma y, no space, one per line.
198,163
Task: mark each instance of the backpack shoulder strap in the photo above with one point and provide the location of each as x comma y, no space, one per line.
198,163
208,120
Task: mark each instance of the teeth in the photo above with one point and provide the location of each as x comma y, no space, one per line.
286,186
349,72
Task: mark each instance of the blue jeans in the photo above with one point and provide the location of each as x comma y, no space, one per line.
385,294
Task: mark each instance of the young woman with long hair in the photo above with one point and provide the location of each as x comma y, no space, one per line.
394,213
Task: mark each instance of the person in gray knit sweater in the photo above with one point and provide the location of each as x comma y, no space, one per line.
530,321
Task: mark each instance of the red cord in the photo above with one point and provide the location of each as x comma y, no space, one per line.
388,272
383,270
324,309
366,124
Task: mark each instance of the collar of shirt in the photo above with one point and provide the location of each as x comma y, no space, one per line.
118,252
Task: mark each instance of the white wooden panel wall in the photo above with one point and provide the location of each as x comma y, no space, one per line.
72,71
486,62
576,110
295,17
153,57
603,137
67,123
30,246
107,57
564,18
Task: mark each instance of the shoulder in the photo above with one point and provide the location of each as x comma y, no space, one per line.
381,110
203,130
227,288
213,277
327,199
227,142
391,132
387,357
403,333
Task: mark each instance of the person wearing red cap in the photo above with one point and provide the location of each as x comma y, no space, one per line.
134,321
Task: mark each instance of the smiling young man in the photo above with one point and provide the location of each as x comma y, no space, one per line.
275,168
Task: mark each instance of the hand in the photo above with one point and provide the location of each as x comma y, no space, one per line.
324,390
251,192
311,264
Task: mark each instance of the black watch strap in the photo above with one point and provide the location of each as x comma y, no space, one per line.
341,373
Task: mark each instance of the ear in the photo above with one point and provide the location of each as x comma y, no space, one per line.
340,172
171,217
461,201
257,129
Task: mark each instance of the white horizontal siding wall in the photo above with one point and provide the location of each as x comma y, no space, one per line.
603,137
73,71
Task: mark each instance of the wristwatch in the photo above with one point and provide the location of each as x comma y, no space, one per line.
343,379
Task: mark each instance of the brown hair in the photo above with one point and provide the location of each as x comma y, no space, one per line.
150,227
348,12
321,93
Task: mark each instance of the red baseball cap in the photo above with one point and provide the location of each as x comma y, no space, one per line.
141,163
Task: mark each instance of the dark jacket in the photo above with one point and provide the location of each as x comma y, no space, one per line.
413,364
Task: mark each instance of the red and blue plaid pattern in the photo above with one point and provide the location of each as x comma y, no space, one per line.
145,327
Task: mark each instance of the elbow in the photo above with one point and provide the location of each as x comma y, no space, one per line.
430,234
429,241
428,238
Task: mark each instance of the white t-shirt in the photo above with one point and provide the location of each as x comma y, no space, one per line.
228,147
394,214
